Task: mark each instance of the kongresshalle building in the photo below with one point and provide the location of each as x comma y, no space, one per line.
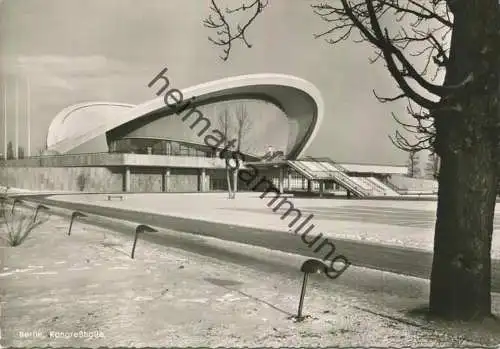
152,147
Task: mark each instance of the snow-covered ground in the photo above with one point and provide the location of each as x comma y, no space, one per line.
388,222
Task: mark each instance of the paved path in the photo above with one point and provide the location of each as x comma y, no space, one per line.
395,223
397,259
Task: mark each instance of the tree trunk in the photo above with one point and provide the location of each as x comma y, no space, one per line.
461,269
235,183
466,141
228,179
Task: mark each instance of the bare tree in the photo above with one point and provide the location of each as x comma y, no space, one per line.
225,128
458,117
243,127
234,124
413,164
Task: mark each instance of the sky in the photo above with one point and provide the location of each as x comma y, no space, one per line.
76,51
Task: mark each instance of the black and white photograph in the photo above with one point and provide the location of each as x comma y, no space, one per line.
249,173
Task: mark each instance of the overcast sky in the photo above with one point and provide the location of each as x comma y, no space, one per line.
93,50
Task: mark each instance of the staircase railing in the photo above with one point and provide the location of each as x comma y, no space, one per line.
342,177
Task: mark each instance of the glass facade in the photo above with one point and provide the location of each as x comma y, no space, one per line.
159,147
254,124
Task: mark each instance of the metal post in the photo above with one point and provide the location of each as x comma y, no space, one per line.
141,228
37,209
73,216
302,295
14,205
308,267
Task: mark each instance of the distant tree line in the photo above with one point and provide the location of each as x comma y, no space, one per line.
10,151
431,167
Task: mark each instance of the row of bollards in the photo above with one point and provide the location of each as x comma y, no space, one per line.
310,266
37,208
141,228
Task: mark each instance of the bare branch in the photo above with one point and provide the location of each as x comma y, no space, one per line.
424,31
226,34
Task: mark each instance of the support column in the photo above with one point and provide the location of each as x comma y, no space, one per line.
202,179
281,179
166,180
126,179
321,188
309,186
289,180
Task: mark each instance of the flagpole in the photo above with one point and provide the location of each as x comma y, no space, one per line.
28,117
16,145
5,118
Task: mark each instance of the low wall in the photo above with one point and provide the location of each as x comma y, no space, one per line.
414,185
100,179
63,178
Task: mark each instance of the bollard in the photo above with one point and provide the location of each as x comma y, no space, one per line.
308,267
141,228
43,207
73,216
14,205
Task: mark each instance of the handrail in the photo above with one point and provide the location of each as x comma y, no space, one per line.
350,182
339,175
371,187
346,177
375,184
392,186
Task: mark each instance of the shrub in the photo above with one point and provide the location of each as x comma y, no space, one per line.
17,226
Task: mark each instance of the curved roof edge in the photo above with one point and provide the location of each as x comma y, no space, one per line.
58,120
200,90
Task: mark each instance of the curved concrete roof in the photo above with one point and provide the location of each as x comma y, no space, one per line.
71,121
299,99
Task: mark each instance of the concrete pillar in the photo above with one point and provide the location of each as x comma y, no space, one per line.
309,186
289,180
126,179
281,179
321,188
202,179
166,180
